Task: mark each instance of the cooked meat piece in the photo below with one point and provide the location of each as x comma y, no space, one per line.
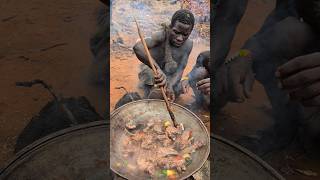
131,125
162,137
147,142
172,132
151,170
193,147
142,163
159,145
198,144
166,151
138,136
158,128
167,142
184,140
126,141
172,162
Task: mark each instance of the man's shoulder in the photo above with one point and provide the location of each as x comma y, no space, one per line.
188,44
158,36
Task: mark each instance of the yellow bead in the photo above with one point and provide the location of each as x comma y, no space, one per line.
171,172
167,123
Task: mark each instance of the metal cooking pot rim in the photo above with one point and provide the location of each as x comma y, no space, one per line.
42,142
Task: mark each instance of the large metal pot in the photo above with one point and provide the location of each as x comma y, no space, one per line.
141,112
231,161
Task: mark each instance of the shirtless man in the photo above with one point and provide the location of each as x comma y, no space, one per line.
170,50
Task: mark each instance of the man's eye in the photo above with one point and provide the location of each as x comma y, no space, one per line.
176,32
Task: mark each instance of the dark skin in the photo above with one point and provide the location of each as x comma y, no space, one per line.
229,14
180,47
106,2
204,86
201,72
300,77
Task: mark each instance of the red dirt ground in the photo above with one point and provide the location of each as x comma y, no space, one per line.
25,28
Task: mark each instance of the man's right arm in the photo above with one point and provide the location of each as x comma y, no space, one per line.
152,42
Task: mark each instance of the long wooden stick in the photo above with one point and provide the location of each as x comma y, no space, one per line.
155,72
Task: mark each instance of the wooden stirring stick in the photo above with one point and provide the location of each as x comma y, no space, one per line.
155,72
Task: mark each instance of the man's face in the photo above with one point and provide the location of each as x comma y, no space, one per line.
179,33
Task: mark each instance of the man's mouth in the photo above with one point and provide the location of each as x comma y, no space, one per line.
177,43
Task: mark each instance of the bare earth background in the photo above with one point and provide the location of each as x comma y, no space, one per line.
25,29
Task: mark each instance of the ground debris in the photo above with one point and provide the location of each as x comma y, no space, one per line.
8,18
307,172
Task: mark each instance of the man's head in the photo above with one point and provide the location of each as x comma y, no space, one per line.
310,12
182,23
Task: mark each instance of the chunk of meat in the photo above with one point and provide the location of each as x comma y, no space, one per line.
166,151
198,144
131,125
173,132
144,164
162,137
139,136
172,162
158,128
184,140
159,146
190,149
148,142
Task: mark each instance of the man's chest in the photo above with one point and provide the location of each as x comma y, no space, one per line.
160,53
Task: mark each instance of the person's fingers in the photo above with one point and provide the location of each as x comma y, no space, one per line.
184,86
203,87
203,81
312,102
161,84
248,84
301,78
160,78
187,87
159,75
184,89
297,64
305,93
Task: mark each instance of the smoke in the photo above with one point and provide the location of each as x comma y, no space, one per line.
151,14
